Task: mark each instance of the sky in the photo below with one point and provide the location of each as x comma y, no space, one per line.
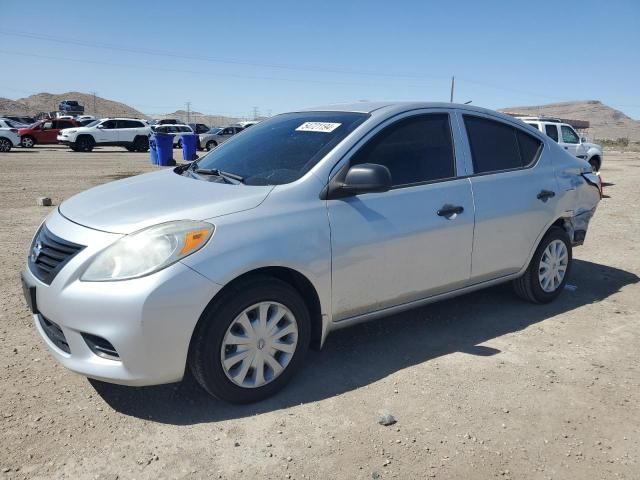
228,58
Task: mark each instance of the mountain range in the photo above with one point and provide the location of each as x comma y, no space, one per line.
605,122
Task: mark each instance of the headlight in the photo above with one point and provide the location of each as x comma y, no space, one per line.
149,250
64,132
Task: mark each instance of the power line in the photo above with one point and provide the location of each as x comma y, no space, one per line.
217,74
182,55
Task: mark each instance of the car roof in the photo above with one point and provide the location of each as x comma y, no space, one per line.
399,107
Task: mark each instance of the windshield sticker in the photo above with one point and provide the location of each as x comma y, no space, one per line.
325,127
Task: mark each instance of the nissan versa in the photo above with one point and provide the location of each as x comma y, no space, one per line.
234,265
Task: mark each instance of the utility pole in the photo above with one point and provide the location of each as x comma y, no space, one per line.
95,111
188,112
255,113
453,83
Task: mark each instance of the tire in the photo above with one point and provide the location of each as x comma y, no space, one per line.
141,144
595,164
5,145
28,141
130,148
531,285
220,324
211,144
85,143
179,144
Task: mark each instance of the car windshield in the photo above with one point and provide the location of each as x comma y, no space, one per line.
92,123
214,131
283,148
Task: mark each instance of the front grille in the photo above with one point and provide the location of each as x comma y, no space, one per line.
55,334
49,253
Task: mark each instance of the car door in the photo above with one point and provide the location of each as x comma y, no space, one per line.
514,190
49,133
106,132
570,141
396,247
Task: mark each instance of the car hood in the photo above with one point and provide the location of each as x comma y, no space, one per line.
128,205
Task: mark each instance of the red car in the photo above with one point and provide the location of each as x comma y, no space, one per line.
44,132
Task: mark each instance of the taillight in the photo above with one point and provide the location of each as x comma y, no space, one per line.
14,130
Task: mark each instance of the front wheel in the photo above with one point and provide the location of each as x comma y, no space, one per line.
211,144
85,144
548,270
251,341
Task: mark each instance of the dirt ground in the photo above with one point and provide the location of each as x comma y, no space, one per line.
482,386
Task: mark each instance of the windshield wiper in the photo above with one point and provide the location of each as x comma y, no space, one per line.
229,177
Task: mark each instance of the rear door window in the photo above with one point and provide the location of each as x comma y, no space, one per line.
415,150
551,131
496,146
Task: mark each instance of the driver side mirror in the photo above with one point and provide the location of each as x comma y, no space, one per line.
359,179
583,139
100,126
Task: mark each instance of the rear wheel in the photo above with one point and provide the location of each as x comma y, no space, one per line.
595,163
250,341
211,144
5,145
548,270
141,144
28,142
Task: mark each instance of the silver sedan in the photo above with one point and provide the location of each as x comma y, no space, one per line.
216,136
234,265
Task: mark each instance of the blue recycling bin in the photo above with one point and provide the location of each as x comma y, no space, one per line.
189,146
153,150
164,147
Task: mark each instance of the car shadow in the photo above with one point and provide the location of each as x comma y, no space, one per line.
377,349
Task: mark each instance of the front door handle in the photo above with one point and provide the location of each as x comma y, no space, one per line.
448,211
544,195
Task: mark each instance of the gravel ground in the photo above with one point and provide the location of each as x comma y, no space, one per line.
482,386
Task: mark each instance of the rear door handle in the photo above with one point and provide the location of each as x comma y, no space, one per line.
544,195
448,211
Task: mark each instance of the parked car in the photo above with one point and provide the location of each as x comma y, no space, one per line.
130,133
175,130
168,121
568,138
248,123
6,123
71,106
8,138
19,119
215,137
44,132
199,128
235,264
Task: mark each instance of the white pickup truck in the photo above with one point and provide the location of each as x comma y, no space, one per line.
568,138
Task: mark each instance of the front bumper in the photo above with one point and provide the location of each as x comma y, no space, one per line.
149,321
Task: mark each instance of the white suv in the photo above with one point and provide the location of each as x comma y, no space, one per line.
8,138
131,133
565,135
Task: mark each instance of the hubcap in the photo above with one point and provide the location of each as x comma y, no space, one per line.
27,142
4,145
553,266
259,344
